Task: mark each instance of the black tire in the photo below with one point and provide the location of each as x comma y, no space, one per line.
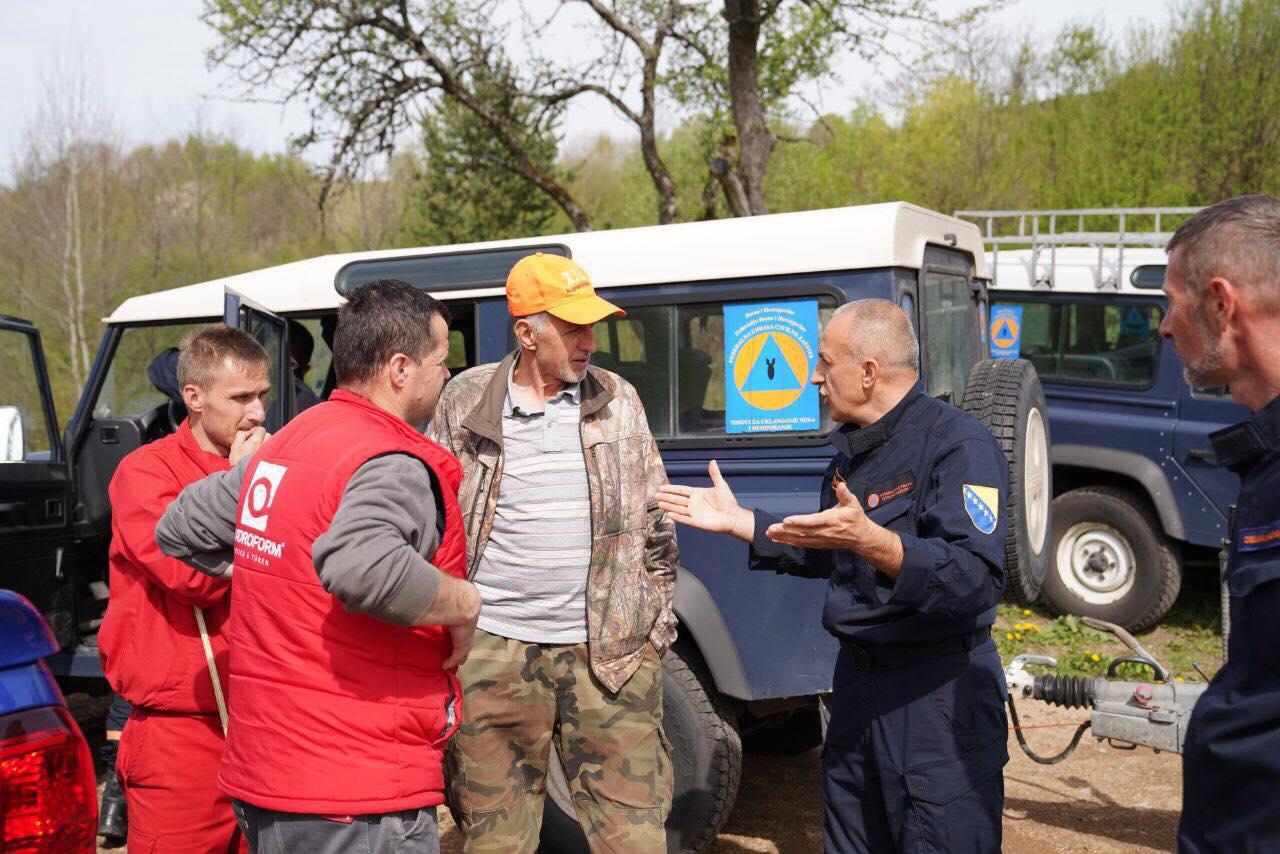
796,733
1120,529
706,758
1005,395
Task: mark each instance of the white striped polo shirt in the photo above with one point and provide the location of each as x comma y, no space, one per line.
532,575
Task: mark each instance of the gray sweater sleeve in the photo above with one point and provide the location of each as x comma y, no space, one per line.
374,556
199,526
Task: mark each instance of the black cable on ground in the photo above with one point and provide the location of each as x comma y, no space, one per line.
1031,754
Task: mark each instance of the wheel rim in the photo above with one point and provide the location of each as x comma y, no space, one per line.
1035,481
1096,563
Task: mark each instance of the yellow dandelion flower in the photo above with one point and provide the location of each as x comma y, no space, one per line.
1018,635
1008,635
1096,657
1026,613
1179,679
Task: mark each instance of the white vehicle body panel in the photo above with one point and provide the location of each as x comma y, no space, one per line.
893,234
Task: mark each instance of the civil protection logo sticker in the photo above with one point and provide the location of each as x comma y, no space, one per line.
982,503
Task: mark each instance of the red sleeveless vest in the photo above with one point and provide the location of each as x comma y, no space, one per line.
332,712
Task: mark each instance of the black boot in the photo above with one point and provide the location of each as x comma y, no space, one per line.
113,815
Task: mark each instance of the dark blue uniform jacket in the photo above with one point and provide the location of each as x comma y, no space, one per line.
1231,757
936,476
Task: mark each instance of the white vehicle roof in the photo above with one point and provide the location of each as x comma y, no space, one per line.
853,238
1072,269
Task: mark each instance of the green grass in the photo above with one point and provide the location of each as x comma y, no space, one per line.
1189,634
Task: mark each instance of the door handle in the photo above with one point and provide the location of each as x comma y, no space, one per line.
10,506
1203,456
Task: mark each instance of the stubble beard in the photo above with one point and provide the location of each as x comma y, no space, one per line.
1206,371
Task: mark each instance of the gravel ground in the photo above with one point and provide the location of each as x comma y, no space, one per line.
1097,800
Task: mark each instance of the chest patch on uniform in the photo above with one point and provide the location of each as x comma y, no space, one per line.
982,503
887,490
1257,539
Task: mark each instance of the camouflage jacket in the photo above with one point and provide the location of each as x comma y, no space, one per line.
632,575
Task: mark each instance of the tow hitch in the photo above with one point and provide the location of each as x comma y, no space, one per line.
1127,714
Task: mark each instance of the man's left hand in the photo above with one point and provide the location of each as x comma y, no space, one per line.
844,526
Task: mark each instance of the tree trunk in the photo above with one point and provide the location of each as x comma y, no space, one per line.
755,140
71,274
662,181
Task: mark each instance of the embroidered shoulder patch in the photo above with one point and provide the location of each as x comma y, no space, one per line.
982,503
1257,539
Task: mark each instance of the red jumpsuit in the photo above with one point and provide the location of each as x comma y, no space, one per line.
153,657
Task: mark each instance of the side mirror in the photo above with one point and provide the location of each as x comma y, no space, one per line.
12,447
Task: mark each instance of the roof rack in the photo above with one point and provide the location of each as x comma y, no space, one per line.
1010,229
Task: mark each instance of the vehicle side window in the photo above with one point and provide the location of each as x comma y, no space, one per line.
689,401
947,325
1112,343
637,348
24,431
700,373
127,389
462,337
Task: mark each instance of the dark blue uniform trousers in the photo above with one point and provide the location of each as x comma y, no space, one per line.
914,755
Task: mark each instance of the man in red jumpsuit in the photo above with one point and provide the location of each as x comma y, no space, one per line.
150,643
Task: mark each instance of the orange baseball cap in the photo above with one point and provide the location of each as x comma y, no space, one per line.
555,284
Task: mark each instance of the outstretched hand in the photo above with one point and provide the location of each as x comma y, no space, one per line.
843,526
715,509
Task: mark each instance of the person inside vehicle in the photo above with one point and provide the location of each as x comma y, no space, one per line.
301,348
911,535
351,606
150,641
1223,286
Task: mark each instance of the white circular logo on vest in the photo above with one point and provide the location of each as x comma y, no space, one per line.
261,494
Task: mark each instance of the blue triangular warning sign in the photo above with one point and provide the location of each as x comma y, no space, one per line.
771,372
1136,323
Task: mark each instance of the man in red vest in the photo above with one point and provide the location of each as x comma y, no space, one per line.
351,609
150,641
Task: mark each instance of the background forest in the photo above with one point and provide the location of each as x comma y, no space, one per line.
968,116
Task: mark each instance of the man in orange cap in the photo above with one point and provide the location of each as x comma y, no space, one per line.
575,564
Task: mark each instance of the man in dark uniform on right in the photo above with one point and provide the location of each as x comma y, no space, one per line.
911,534
1223,285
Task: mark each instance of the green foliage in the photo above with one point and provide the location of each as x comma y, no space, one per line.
463,188
1176,116
1189,636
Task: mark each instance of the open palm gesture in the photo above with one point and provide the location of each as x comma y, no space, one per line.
713,509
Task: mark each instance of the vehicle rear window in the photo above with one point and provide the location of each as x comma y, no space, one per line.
1110,343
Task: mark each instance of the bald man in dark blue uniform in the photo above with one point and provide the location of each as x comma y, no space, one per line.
1223,285
911,535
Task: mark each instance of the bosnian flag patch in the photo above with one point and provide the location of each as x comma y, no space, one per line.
1257,539
982,503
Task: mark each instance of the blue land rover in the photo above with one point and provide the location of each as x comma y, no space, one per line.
752,656
1138,495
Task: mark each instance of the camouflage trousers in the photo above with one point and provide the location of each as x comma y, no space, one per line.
519,698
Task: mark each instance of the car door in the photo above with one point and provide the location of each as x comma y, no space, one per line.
1201,412
35,482
272,332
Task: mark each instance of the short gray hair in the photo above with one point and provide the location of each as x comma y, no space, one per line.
539,321
1238,239
882,331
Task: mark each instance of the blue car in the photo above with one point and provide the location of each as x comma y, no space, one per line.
1139,497
48,793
